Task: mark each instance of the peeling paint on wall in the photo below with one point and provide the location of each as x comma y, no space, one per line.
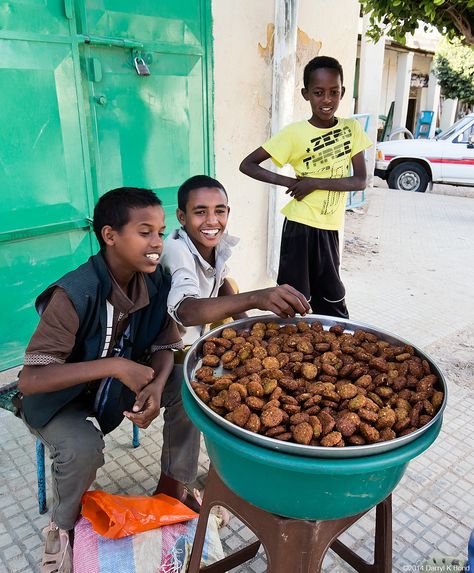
306,47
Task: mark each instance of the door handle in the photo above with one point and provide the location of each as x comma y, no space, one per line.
104,41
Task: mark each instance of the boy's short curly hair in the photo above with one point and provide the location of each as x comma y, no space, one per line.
113,208
321,62
196,182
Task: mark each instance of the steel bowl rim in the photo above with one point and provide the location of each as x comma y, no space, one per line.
301,449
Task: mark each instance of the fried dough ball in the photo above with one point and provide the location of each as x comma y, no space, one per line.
229,333
271,417
211,360
255,388
309,371
437,399
208,348
369,433
347,423
346,390
240,388
253,365
327,422
386,418
253,423
255,403
387,434
201,391
270,363
332,439
272,432
356,440
303,433
232,400
357,402
204,372
241,415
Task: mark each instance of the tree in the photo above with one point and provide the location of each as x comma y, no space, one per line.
454,68
396,18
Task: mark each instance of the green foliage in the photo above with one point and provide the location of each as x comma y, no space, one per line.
454,68
397,18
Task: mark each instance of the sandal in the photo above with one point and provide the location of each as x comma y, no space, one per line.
57,553
221,513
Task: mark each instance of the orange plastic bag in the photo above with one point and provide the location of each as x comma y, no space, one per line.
117,516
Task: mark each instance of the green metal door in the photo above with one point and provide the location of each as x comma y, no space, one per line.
78,120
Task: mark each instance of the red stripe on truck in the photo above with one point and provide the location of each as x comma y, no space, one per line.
465,161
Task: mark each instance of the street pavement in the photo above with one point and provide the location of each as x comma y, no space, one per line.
408,266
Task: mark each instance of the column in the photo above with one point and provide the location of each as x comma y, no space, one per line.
432,100
402,92
448,113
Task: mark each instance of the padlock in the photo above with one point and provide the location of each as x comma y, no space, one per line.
141,67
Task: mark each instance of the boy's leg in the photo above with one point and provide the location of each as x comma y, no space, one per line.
76,446
327,290
309,262
181,438
294,257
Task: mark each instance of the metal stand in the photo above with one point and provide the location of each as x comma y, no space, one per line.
292,545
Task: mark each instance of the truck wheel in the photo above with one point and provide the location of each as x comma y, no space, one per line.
408,176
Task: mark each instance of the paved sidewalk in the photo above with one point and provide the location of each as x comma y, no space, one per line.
409,268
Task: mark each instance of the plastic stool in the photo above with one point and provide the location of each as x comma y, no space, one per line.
40,468
292,545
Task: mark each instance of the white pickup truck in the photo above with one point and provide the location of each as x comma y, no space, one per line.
413,164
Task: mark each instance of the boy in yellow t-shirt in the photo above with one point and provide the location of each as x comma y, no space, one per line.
321,150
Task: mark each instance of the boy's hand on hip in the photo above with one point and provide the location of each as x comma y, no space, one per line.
303,186
147,406
284,301
135,376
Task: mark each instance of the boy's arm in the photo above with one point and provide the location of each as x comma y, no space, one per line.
148,403
283,301
53,377
306,185
46,369
251,167
227,290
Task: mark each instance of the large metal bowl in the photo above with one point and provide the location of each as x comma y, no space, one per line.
193,362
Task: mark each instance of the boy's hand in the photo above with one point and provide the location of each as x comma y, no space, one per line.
284,301
303,186
135,376
147,406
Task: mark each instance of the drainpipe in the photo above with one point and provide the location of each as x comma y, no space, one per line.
283,93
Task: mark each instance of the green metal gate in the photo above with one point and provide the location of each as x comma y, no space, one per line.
78,120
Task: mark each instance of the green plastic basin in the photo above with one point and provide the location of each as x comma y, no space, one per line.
303,487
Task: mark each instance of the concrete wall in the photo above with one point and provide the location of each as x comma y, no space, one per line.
242,104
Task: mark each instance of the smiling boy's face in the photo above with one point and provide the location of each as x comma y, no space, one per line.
324,94
205,218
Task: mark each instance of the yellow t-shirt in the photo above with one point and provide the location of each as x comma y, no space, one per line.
316,152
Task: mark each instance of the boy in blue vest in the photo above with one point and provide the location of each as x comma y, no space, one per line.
103,348
321,150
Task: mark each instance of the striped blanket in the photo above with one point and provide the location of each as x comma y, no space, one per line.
163,550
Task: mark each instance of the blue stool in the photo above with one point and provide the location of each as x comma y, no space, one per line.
40,468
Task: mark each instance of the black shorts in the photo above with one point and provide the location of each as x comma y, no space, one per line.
309,262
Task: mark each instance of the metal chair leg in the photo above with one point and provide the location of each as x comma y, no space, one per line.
40,471
136,436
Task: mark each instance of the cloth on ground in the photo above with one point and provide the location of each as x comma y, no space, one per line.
163,550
